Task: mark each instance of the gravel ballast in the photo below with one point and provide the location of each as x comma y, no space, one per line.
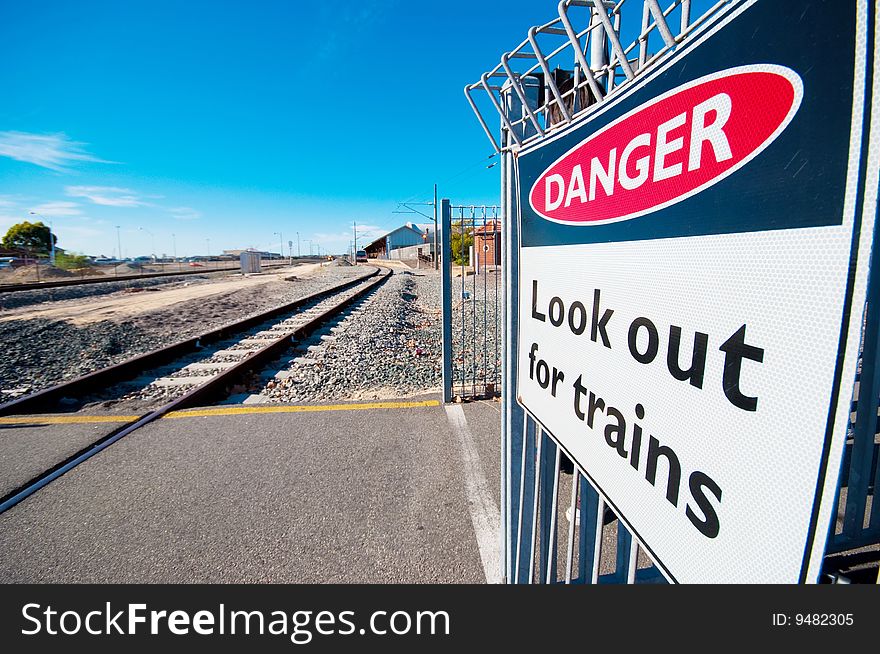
389,346
477,316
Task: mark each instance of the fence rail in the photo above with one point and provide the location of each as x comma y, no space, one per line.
550,77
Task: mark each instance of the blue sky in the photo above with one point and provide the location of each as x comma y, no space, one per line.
232,121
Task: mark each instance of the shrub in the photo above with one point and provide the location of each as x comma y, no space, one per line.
70,260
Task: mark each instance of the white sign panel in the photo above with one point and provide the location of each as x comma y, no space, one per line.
693,267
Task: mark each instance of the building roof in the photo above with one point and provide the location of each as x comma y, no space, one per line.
491,227
408,226
12,252
236,253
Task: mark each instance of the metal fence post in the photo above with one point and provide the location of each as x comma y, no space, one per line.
512,424
446,286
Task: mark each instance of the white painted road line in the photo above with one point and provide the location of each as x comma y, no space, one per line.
484,512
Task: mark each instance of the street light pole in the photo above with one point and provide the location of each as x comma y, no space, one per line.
51,239
174,249
281,236
297,244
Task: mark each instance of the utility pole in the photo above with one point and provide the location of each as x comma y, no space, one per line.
354,229
410,209
51,245
297,244
119,242
436,251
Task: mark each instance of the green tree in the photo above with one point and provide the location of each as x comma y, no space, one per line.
70,260
33,237
460,242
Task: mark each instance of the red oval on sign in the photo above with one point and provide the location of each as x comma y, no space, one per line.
670,148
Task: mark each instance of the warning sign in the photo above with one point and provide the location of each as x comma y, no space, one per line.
693,266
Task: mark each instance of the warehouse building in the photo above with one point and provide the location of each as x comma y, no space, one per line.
402,243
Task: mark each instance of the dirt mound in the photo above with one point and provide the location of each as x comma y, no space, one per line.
29,274
128,269
88,271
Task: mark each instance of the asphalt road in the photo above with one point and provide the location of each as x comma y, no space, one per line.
337,496
30,447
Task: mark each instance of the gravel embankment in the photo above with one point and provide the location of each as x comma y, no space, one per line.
391,347
39,295
35,354
10,300
38,353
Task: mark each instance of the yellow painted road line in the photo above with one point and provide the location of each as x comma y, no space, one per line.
63,420
217,411
302,408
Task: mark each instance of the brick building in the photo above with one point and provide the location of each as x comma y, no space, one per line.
487,244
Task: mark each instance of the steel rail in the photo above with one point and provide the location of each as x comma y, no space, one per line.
63,283
202,393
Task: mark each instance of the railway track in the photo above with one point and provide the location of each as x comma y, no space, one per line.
109,279
194,372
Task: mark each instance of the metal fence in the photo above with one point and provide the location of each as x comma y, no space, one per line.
858,516
556,526
472,290
549,77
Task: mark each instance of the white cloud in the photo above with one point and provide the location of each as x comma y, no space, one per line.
53,151
185,213
82,232
109,196
7,221
52,209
